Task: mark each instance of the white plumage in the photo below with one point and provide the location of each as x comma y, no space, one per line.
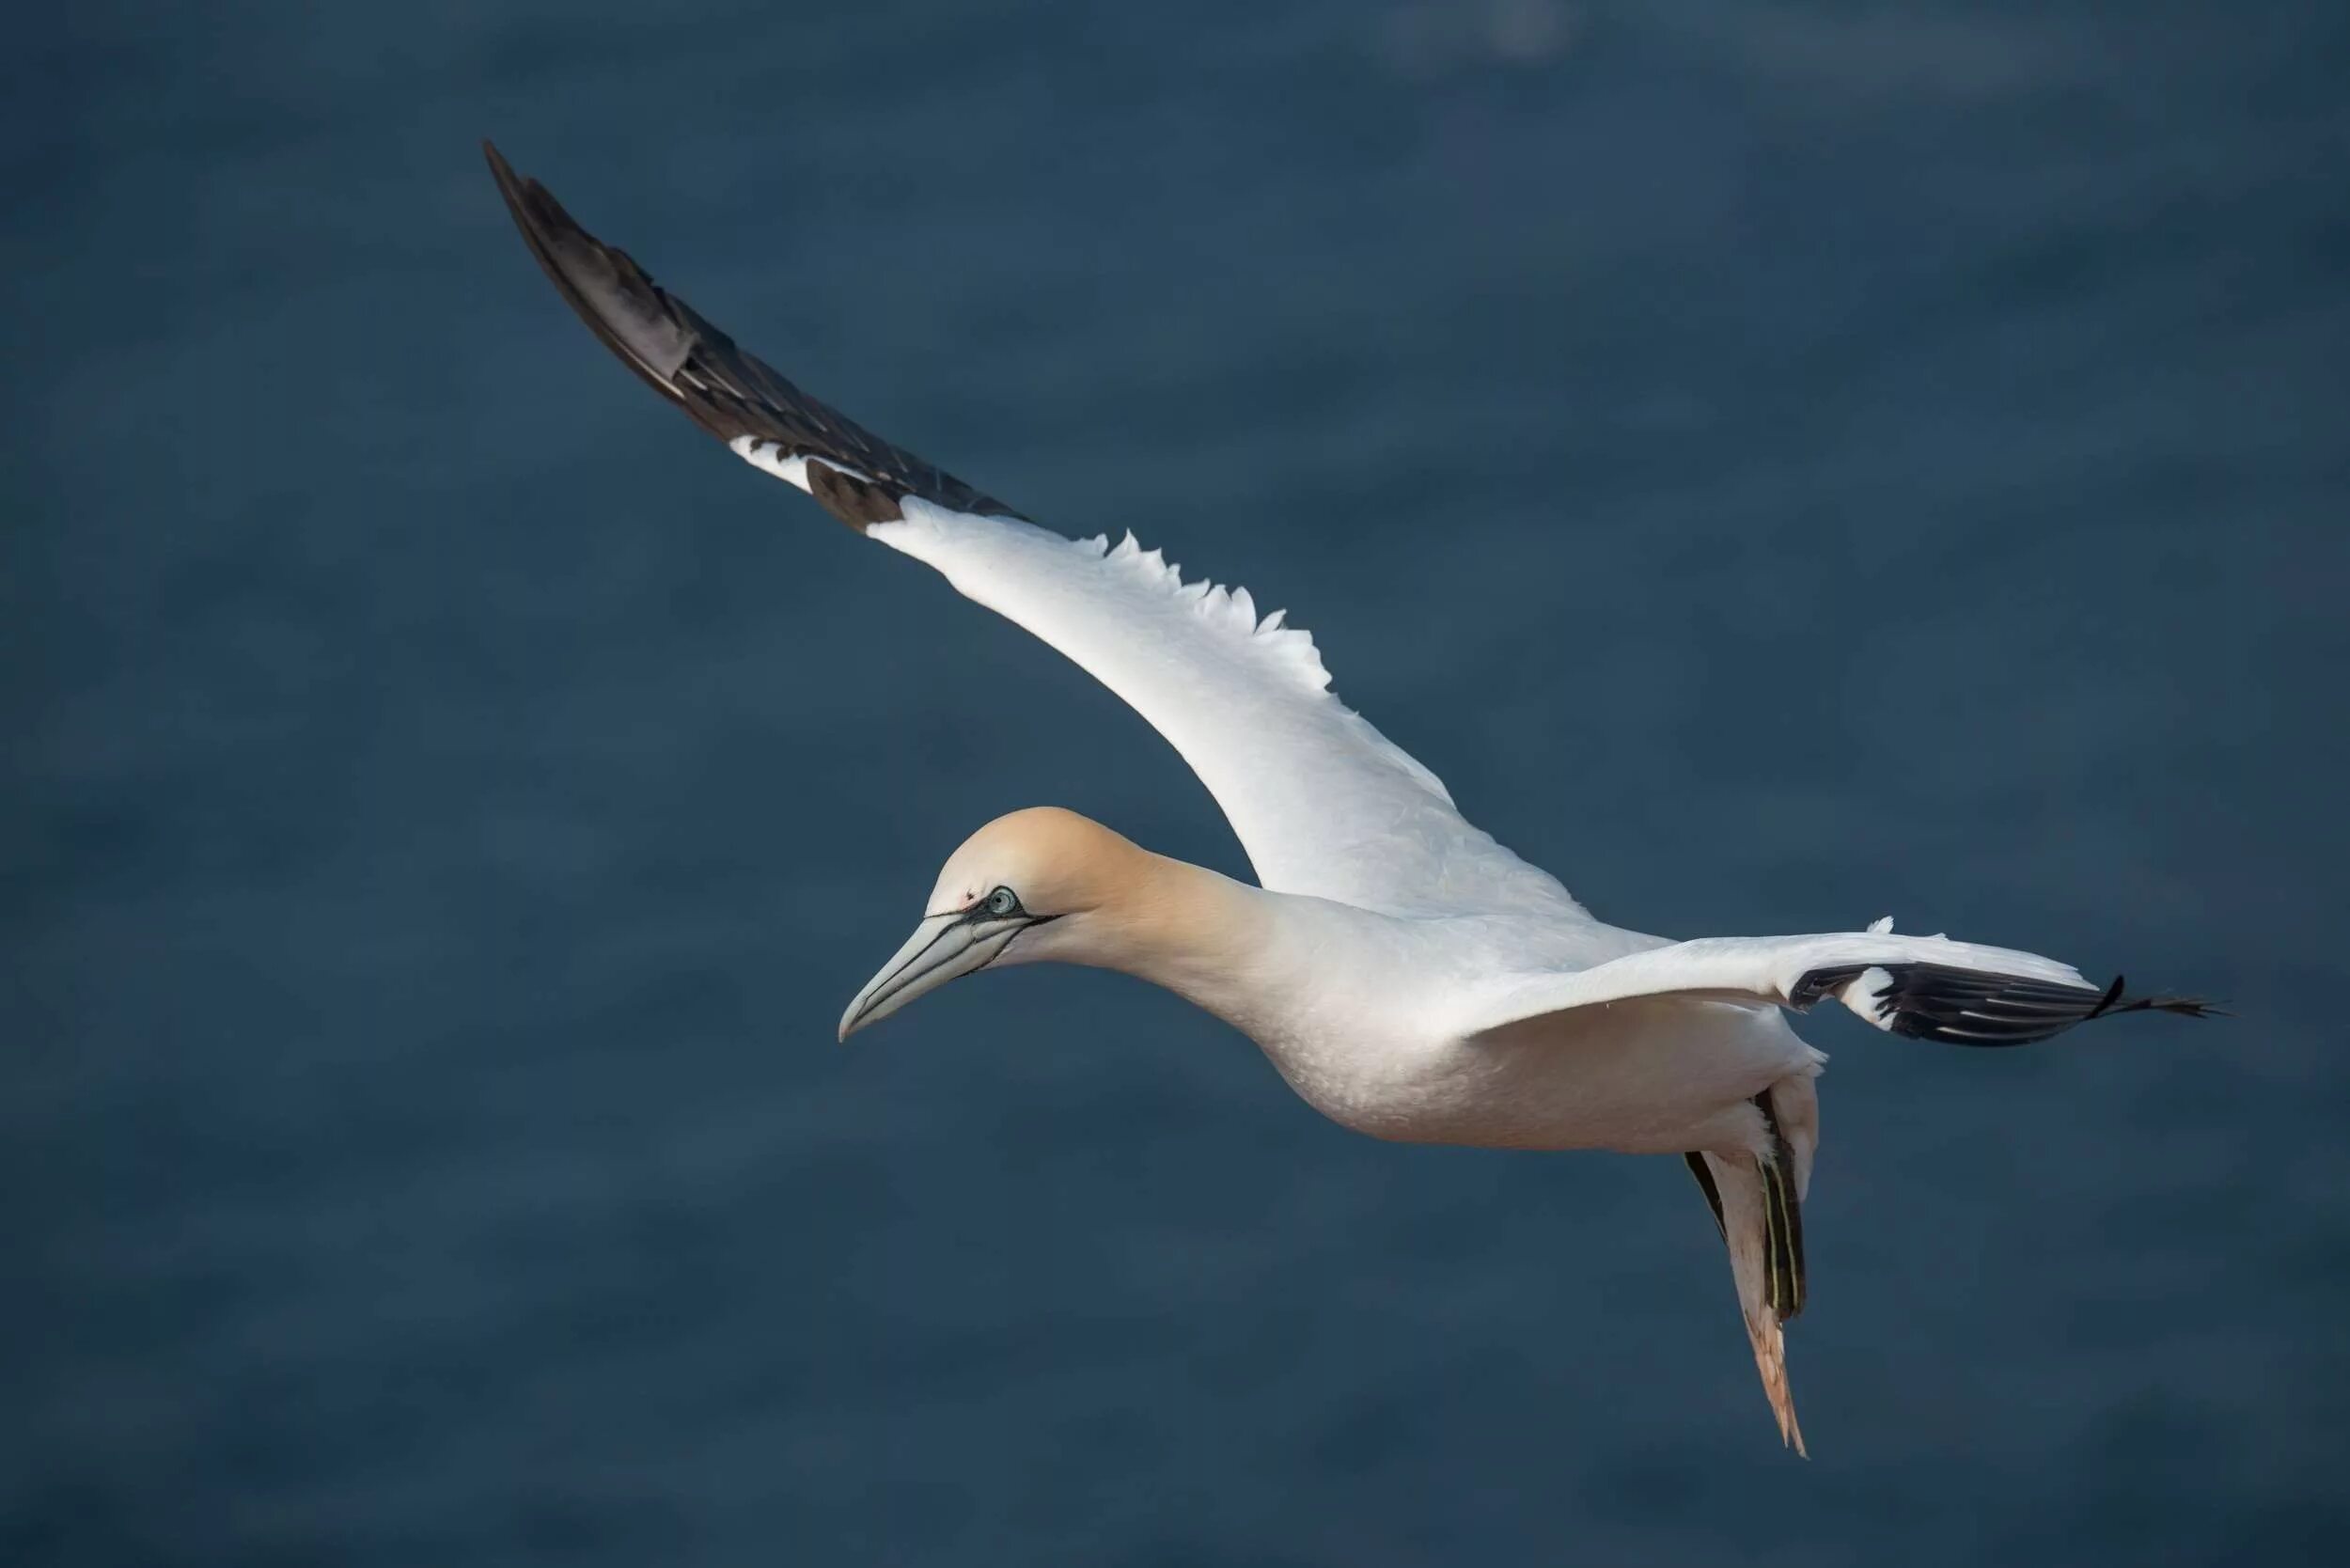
1408,976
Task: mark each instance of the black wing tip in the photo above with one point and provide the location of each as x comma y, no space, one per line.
1970,1007
2186,1007
2183,1007
605,289
731,393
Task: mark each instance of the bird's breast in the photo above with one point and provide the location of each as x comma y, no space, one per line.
1644,1078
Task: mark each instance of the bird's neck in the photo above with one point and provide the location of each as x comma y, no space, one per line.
1201,934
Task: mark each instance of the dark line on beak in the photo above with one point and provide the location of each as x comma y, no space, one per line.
888,987
882,990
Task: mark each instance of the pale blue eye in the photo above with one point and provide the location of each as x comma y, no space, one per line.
1002,902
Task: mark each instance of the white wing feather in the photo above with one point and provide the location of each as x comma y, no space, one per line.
1322,802
1773,970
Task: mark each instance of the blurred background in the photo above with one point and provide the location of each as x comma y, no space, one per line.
1781,463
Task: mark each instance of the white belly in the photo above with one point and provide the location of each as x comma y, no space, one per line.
1361,1014
1649,1077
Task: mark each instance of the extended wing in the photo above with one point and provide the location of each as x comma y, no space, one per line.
1927,987
1322,802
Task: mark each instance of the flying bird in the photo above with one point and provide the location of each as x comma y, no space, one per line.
1408,976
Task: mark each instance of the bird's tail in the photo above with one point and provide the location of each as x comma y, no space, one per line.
1757,1202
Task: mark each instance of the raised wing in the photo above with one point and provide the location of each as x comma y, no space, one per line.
1322,802
1926,987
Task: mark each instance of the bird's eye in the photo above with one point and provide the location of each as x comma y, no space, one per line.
1003,901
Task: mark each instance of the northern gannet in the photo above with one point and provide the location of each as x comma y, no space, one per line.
1409,977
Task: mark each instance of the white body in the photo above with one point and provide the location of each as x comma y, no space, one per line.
1371,1017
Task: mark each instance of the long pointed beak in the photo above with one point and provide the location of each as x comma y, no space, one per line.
943,947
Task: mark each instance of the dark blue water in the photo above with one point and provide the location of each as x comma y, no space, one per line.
1781,463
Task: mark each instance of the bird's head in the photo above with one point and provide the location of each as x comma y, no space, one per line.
1026,888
